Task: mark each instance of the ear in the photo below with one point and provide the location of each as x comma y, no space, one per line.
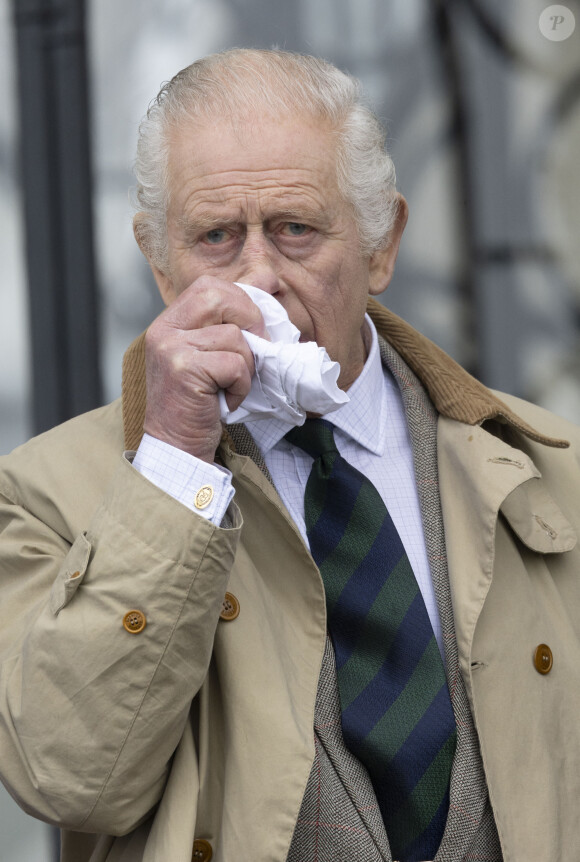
163,280
382,262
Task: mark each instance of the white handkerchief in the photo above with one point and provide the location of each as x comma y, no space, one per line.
291,379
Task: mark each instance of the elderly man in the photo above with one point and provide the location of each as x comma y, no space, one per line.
353,637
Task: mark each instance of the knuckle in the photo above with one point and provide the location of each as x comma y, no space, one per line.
152,335
232,334
157,345
208,294
239,367
206,282
158,332
179,361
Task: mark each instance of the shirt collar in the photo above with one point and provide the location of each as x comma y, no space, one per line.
357,418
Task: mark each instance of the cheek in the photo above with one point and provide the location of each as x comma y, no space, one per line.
332,289
184,269
323,280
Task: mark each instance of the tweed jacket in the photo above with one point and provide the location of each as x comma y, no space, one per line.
201,728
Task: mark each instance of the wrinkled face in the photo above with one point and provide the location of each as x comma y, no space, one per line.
260,204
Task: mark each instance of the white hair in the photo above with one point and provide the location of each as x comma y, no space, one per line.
242,81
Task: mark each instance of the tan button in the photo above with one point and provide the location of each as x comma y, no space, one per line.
134,622
202,851
203,497
230,607
543,659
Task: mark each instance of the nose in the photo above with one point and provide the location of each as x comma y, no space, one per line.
259,264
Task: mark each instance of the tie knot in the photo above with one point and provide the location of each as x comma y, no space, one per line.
315,437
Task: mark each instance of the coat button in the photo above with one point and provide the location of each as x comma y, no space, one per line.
202,851
543,659
134,622
230,607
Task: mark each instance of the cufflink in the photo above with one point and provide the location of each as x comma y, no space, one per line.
203,497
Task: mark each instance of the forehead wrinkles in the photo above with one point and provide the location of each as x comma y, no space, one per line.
220,185
253,194
277,154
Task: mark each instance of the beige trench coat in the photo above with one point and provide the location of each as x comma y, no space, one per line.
97,729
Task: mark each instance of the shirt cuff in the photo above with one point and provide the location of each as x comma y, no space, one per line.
204,488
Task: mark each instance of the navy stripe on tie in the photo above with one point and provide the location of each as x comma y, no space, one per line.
410,640
360,592
426,845
329,529
423,734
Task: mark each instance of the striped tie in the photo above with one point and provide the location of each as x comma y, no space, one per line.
396,710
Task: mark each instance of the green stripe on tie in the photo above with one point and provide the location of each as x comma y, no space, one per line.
347,556
398,722
375,640
415,814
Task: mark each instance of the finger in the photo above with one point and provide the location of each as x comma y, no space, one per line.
210,301
227,371
225,337
182,351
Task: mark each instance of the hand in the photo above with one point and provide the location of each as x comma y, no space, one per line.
192,350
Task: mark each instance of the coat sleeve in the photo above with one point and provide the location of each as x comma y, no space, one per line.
90,713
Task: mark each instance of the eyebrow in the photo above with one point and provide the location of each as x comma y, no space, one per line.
205,222
209,221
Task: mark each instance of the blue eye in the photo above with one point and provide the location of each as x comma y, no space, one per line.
215,236
295,228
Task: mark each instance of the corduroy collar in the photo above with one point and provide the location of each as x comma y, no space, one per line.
455,393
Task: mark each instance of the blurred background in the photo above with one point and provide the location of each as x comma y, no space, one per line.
482,103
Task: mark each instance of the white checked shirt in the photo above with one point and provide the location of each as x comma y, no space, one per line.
371,434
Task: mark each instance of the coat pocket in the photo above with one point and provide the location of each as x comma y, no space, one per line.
71,574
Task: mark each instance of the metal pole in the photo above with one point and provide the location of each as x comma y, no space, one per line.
56,182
